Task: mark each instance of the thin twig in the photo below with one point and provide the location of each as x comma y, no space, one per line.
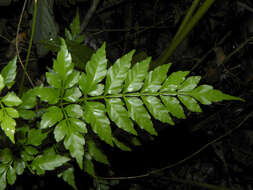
183,160
17,48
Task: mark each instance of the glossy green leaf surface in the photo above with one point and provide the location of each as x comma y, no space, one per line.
53,79
28,99
190,103
11,99
95,71
74,110
95,115
51,117
1,83
157,109
155,78
9,73
11,175
63,64
72,94
136,76
47,94
119,115
173,106
72,79
49,160
139,114
174,80
117,74
8,125
71,130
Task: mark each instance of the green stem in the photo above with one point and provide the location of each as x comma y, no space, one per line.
29,49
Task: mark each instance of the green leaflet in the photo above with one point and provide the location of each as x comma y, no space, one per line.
9,73
63,64
136,75
75,25
48,94
74,110
117,74
68,176
120,145
96,153
11,99
53,79
118,114
173,106
35,137
51,117
8,124
139,114
49,160
95,71
72,94
94,114
173,81
155,78
1,83
157,109
72,130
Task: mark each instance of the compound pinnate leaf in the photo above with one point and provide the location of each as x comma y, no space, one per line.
95,71
9,72
95,115
155,78
139,114
11,99
157,109
136,76
68,176
96,153
53,79
173,106
119,115
51,117
174,80
74,110
63,64
117,74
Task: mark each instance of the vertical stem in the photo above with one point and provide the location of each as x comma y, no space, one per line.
29,48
